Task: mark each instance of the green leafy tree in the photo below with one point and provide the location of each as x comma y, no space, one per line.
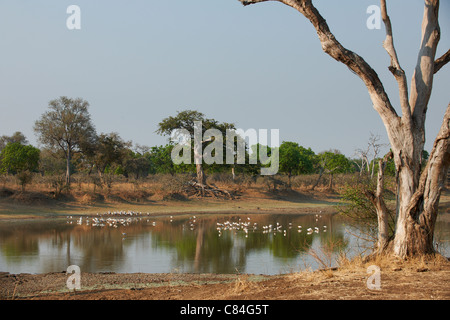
20,160
307,160
290,158
160,159
16,158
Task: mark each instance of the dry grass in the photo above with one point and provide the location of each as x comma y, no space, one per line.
243,284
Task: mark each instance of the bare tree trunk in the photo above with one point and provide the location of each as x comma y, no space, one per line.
330,186
318,179
68,167
380,206
201,177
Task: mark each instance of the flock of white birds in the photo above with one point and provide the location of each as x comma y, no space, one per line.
276,228
117,219
113,219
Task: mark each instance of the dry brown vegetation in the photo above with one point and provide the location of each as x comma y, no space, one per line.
162,191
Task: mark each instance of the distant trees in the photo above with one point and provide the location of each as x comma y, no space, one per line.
369,155
16,137
16,157
160,159
20,160
70,145
289,158
332,162
66,126
136,164
295,159
108,155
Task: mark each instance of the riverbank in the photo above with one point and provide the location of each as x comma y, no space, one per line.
419,279
38,205
39,201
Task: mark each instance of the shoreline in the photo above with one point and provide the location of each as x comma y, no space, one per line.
261,203
35,204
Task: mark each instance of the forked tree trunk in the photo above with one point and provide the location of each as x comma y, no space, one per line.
418,194
416,220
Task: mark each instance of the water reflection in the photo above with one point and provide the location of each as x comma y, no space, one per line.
268,244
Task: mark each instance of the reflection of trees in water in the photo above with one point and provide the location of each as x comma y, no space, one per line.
20,247
198,250
101,248
20,239
203,250
91,246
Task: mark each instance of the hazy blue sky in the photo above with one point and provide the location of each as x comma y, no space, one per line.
259,66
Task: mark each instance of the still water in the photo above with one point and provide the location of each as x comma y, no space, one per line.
257,244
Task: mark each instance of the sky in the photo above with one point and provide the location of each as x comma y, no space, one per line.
260,66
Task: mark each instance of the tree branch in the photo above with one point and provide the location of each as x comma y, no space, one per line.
395,68
442,61
247,2
422,80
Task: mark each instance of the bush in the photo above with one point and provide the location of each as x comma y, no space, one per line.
361,212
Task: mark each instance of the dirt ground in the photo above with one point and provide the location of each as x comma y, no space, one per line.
412,280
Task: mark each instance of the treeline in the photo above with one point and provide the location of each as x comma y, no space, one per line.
70,144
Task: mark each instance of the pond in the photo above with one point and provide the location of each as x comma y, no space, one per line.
204,243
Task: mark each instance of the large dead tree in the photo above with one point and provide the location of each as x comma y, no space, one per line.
418,192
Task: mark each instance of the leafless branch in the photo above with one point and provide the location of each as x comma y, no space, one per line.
421,84
395,68
247,2
442,61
